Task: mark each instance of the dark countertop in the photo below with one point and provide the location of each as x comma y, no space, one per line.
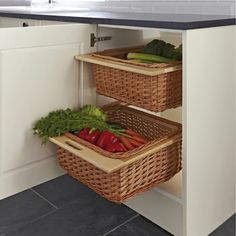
167,21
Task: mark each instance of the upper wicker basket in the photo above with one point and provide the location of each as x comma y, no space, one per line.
154,87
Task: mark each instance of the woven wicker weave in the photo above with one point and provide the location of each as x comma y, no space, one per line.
138,176
155,93
153,128
128,181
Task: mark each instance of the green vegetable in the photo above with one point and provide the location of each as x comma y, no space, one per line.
161,48
149,57
141,61
91,110
61,121
58,122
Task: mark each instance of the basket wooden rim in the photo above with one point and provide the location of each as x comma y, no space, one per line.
104,163
139,68
108,55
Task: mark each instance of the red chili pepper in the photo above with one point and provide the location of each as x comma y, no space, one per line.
120,147
135,143
106,138
111,147
115,147
123,147
136,136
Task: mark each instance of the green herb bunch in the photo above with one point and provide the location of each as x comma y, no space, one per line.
58,122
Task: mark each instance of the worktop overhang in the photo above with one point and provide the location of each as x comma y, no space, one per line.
150,20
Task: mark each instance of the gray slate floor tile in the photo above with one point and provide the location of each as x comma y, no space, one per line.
63,190
226,229
78,211
20,209
89,216
139,227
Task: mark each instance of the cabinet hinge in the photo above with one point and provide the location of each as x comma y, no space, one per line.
94,39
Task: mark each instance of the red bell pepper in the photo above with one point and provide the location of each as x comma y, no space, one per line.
89,135
116,147
93,136
83,133
106,138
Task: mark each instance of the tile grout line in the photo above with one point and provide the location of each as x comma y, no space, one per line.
39,195
42,216
118,226
30,222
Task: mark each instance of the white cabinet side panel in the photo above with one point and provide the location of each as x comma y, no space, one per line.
209,126
235,121
160,209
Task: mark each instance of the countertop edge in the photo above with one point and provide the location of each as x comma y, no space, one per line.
173,25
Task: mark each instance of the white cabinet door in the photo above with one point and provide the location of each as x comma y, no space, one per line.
35,80
6,22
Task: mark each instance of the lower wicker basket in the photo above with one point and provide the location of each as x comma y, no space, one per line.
120,179
128,181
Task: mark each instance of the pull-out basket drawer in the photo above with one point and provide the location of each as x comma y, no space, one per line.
119,178
153,87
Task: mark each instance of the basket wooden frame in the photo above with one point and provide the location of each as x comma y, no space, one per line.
155,88
119,55
120,179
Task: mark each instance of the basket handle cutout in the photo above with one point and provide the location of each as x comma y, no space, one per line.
73,145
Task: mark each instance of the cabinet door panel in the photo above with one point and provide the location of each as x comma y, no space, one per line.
38,74
6,22
34,82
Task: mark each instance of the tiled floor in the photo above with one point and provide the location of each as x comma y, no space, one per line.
64,207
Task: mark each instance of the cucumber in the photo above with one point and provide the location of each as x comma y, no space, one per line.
142,61
149,57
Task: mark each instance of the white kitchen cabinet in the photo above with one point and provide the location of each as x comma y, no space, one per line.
202,195
6,22
38,74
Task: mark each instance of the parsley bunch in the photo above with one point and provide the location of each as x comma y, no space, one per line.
58,122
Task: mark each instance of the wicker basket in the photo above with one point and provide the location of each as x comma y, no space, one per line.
153,87
120,179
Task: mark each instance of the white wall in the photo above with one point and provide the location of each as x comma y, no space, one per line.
176,6
218,7
215,7
14,2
